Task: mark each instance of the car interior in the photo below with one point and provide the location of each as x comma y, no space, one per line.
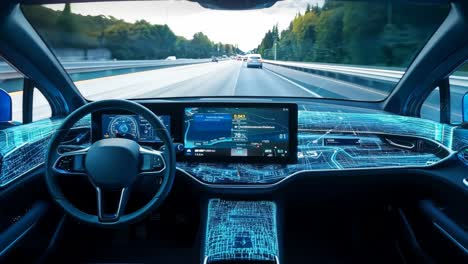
116,147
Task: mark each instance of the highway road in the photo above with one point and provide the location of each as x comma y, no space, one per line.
229,78
225,78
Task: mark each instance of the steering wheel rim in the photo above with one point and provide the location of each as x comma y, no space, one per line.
52,157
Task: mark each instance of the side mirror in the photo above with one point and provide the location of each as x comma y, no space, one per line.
6,107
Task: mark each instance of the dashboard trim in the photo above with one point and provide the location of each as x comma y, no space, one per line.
292,175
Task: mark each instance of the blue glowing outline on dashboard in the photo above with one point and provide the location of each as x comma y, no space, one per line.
22,148
315,127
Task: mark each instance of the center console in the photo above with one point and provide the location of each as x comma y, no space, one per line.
241,232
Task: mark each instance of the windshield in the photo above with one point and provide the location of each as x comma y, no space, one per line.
330,49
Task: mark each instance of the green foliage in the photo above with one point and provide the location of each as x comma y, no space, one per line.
126,41
365,33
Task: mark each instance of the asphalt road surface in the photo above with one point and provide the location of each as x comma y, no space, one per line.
225,78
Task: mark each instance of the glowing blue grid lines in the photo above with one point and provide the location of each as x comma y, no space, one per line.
368,151
241,230
463,156
23,148
375,123
315,126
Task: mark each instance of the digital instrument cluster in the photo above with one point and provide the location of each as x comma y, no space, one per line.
131,127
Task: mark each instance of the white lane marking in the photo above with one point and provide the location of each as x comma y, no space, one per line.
237,79
296,84
350,84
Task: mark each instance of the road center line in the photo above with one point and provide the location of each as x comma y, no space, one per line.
296,84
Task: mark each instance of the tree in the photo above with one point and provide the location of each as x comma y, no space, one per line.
65,20
355,33
139,40
201,46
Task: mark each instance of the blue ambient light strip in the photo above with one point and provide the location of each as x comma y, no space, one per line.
239,230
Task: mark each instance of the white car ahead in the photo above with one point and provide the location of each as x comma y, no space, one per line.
254,60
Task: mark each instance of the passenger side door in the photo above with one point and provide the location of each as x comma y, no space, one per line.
439,225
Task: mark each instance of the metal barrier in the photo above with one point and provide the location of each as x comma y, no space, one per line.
7,72
380,78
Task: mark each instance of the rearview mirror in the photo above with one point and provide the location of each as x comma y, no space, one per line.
235,4
6,108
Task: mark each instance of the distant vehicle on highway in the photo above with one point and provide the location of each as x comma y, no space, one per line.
254,60
214,59
171,58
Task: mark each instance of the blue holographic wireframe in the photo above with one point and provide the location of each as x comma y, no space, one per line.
240,230
23,148
463,156
317,126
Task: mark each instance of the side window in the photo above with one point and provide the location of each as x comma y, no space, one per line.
458,88
41,107
12,82
431,107
458,82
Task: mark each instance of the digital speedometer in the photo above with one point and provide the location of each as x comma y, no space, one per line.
132,127
123,127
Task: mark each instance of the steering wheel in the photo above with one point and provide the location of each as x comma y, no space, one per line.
112,166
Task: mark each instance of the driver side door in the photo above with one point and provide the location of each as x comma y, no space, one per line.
29,223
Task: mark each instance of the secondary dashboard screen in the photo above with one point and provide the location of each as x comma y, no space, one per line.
236,132
132,127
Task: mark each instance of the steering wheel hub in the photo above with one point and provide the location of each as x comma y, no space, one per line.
113,163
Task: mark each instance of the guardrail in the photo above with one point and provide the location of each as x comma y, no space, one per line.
7,72
381,78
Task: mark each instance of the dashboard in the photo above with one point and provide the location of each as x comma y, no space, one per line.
312,138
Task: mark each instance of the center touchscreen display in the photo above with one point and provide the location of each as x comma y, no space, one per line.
237,132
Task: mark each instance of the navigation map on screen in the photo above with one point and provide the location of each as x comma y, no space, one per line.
236,132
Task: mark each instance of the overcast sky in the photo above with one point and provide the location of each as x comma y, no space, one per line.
244,28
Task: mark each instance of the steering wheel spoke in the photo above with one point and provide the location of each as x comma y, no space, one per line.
71,163
153,162
111,204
